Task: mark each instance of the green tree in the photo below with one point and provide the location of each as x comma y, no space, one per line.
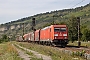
4,38
86,34
73,30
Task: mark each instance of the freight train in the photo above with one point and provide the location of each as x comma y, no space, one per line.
56,35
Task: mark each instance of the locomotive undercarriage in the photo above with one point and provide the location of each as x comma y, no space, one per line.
61,43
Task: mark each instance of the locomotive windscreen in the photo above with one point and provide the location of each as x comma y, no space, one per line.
59,29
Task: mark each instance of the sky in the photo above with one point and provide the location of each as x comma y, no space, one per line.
11,10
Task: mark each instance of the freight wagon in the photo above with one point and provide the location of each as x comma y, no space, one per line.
19,39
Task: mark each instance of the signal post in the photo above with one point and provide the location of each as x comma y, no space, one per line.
33,26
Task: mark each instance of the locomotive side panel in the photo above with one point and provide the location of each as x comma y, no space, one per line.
45,34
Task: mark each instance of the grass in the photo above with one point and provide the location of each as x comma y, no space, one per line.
55,54
32,56
8,52
36,58
85,44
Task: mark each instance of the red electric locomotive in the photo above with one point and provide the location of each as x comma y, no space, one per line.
51,35
55,34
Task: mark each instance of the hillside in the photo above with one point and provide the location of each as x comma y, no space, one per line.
15,28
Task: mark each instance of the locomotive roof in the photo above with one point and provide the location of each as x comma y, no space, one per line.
58,25
46,27
54,26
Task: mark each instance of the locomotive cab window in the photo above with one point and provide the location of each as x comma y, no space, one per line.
62,29
59,29
56,29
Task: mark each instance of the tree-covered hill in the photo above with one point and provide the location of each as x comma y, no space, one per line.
15,28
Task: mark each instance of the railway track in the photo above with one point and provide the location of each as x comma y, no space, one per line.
74,49
69,49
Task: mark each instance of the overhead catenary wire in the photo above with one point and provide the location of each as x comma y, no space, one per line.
70,3
78,3
75,4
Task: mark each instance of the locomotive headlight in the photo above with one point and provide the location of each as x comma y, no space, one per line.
65,37
55,34
64,34
55,37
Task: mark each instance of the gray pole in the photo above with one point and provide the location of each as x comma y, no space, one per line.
78,20
23,31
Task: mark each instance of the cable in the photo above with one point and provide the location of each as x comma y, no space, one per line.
70,3
78,3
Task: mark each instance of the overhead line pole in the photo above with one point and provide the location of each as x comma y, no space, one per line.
23,30
78,20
